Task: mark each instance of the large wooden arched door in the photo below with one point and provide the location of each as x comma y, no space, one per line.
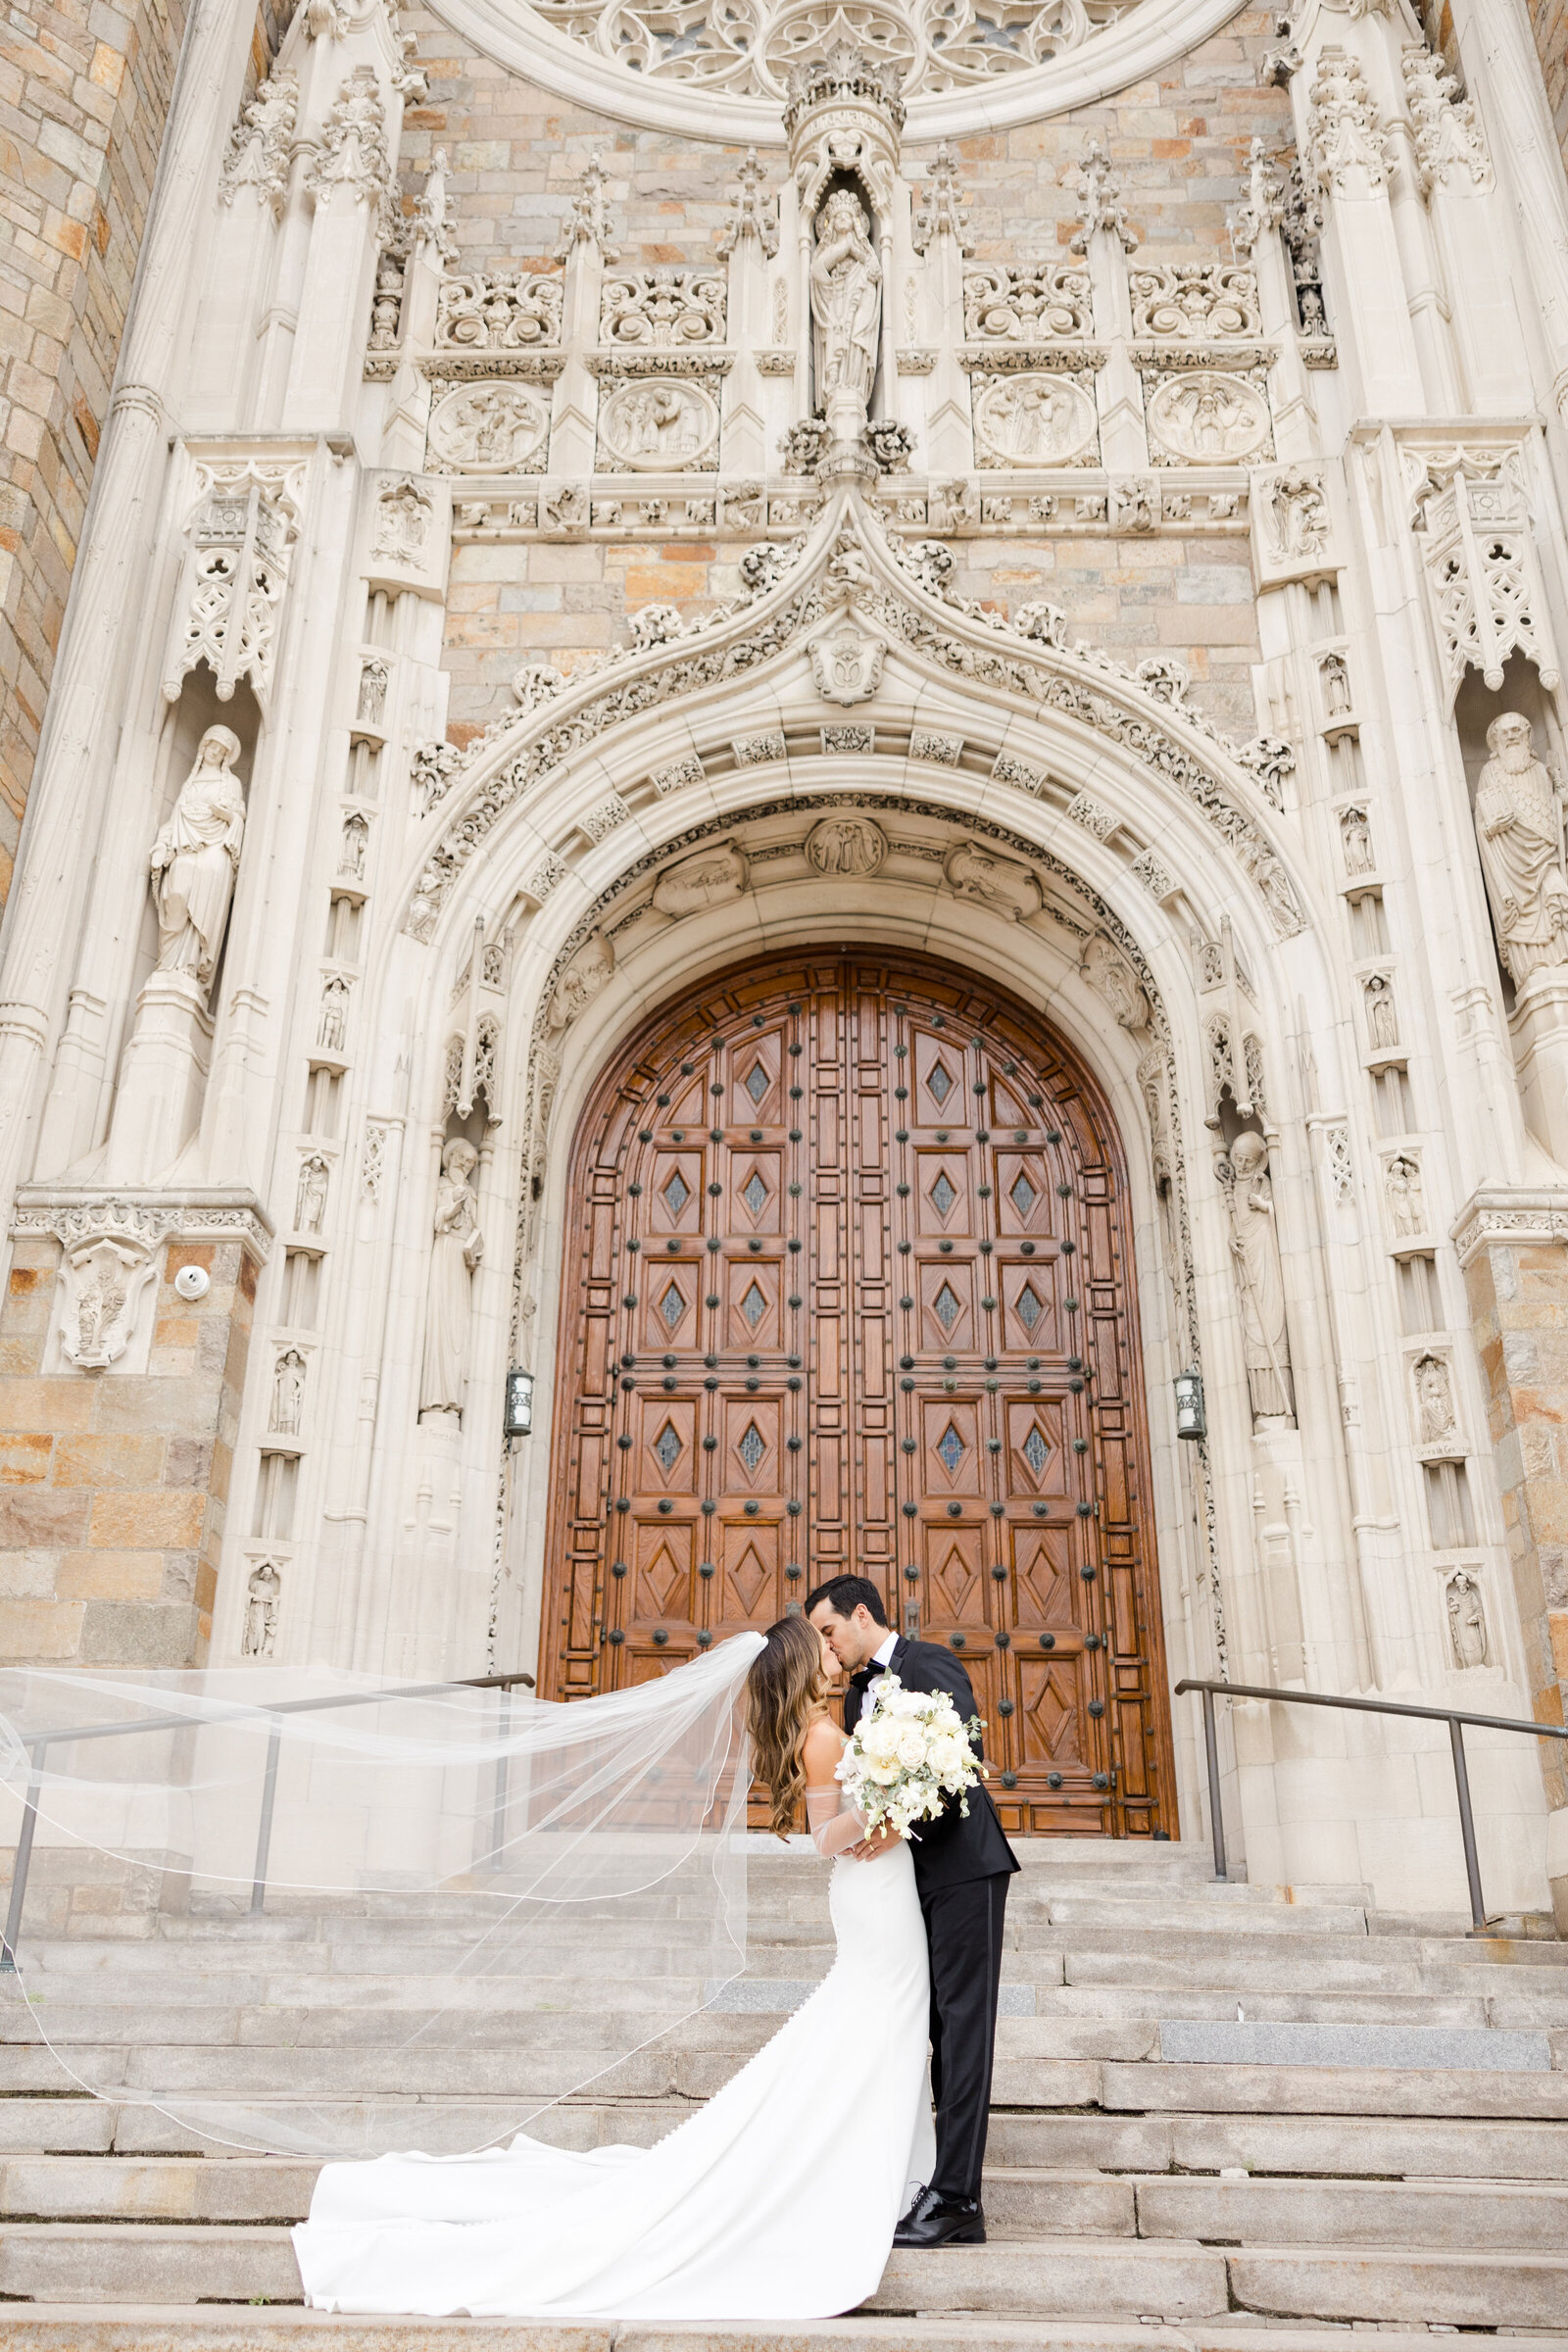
849,1285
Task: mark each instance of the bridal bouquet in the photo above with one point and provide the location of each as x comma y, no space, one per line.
908,1756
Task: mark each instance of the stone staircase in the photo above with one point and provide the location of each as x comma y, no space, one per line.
1219,2114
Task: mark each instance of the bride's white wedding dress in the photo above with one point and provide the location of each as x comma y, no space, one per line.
778,2199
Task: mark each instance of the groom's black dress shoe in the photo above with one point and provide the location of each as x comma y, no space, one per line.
934,2221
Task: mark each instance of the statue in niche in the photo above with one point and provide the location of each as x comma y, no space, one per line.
846,302
1401,1188
310,1198
1256,1248
371,709
356,836
1356,832
1336,676
1519,834
263,1588
195,858
1467,1621
1434,1397
1381,1021
288,1394
459,1247
334,1014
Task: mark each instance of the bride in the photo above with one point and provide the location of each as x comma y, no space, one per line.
777,2200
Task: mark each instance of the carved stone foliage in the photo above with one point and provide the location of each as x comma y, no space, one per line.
1448,145
499,309
926,45
1206,418
260,143
652,426
489,429
1037,302
1035,420
1349,147
713,878
1102,202
1203,301
1479,557
754,214
663,309
941,211
241,535
352,150
588,220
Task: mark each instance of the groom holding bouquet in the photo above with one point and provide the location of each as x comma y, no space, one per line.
961,1868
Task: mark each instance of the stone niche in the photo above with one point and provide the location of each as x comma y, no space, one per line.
119,1407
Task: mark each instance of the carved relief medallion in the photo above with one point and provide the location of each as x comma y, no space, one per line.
1208,419
657,427
489,429
846,845
1033,420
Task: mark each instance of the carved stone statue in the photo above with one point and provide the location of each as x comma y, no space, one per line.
1383,1025
309,1196
195,858
1434,1397
846,845
584,976
1467,1621
288,1394
1256,1248
845,311
1401,1186
1519,833
263,1589
1356,832
1107,970
459,1247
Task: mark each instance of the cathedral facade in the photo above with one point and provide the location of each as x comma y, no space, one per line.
803,809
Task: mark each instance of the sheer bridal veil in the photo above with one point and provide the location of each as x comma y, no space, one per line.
348,1917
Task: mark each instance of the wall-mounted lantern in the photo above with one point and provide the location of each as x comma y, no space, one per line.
519,1420
1189,1421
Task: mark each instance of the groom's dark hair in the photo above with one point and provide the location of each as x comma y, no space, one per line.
847,1593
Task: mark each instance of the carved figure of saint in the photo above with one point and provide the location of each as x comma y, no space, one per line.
288,1394
1336,686
846,845
1401,1185
334,1014
846,301
1256,1246
195,858
1381,1018
1467,1622
310,1198
1519,834
459,1247
263,1587
1357,833
1434,1400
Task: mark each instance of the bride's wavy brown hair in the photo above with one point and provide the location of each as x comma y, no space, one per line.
786,1685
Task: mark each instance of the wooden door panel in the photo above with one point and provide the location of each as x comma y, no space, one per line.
912,1353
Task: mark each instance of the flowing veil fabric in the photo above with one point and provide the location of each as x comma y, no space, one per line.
507,1854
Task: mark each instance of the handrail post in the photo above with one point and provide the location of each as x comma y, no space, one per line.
23,1861
498,1824
1216,1818
264,1827
1467,1826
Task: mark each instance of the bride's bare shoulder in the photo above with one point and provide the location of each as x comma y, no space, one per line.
821,1749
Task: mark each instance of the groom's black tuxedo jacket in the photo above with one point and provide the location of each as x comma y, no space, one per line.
952,1850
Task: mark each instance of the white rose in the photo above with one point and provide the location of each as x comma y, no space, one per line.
881,1741
883,1774
910,1749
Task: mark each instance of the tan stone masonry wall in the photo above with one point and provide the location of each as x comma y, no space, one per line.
114,1487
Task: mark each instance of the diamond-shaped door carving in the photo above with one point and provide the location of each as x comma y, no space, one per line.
952,1445
670,1290
756,1202
667,1465
1044,1579
1049,1714
944,1201
1029,1308
751,1455
664,1579
1024,1194
753,1316
674,1196
1037,1458
947,1301
954,1581
755,1063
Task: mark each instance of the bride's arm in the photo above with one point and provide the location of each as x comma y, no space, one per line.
833,1832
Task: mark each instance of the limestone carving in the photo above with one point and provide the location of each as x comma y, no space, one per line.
1334,674
1270,758
1297,513
1519,832
1095,817
1034,421
1382,1019
1108,972
1103,204
332,1028
1004,884
602,820
310,1193
353,150
1349,147
1264,205
581,981
260,143
1478,551
680,773
588,222
1040,302
404,515
263,1589
1448,144
488,428
846,288
664,310
536,683
713,878
1434,1400
1403,1192
1208,419
1044,623
846,663
943,751
891,444
804,444
103,1286
372,1167
1204,301
565,508
370,709
846,845
499,309
195,858
940,210
242,532
459,1247
1355,841
288,1394
658,426
752,217
1467,1622
1260,1281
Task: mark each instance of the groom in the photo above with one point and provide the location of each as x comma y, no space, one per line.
961,1869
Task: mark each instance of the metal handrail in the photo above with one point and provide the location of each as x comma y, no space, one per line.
1454,1717
37,1745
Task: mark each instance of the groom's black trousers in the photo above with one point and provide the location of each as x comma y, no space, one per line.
963,1925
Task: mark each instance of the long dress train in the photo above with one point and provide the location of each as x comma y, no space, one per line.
777,2200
